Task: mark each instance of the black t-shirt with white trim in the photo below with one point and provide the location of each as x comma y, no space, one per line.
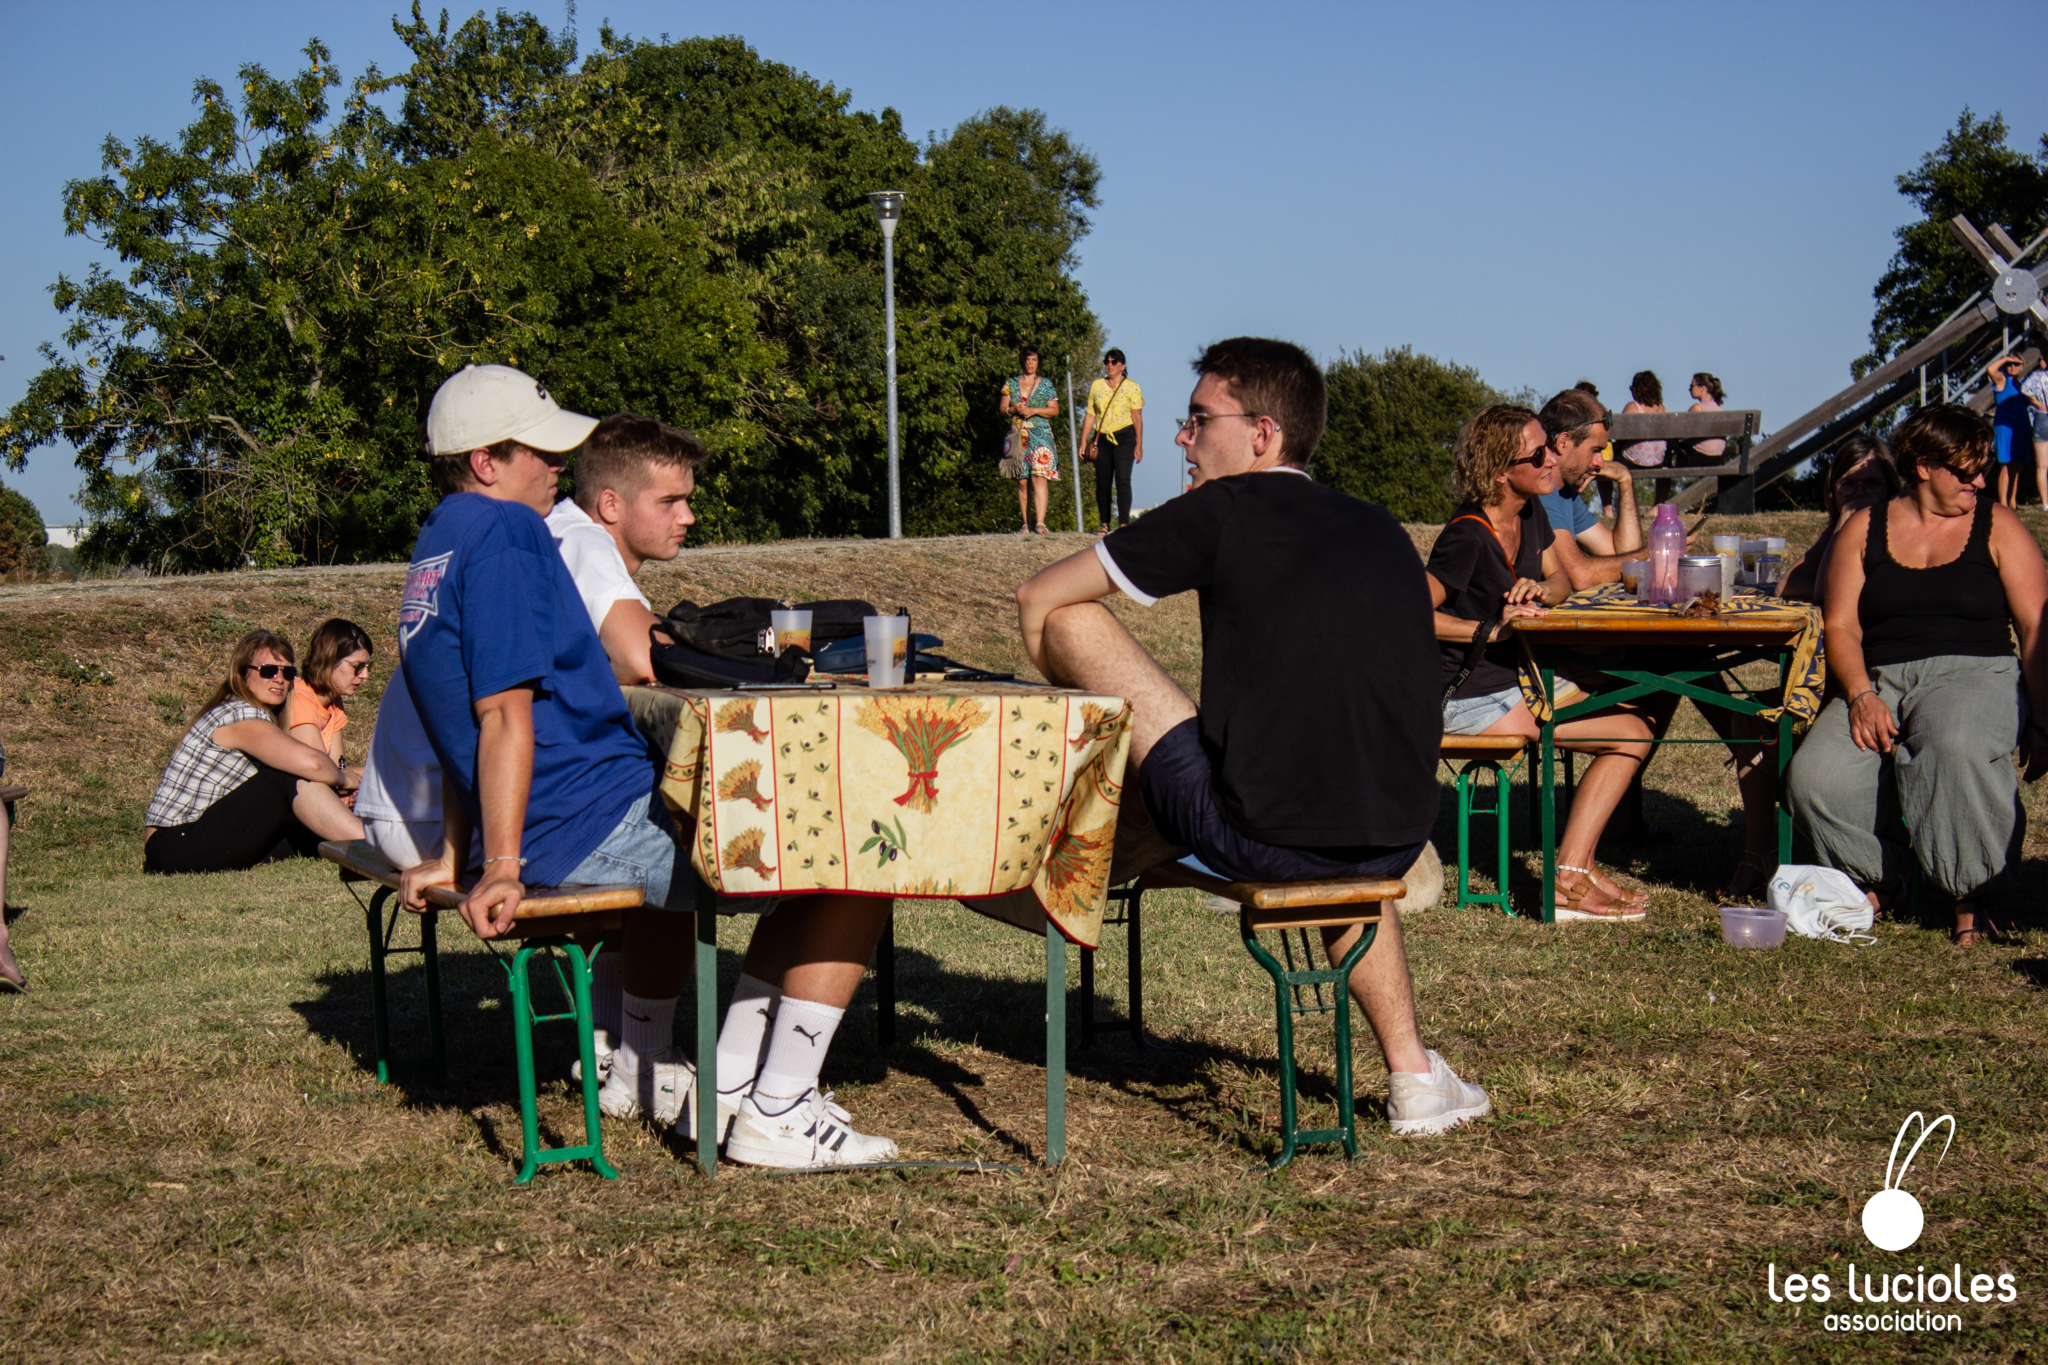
1319,664
1469,560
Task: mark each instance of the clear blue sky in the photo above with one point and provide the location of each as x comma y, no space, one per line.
1545,192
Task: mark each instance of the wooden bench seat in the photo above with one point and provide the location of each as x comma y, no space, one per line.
1299,985
547,920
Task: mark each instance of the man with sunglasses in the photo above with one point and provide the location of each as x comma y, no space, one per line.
1313,754
1579,428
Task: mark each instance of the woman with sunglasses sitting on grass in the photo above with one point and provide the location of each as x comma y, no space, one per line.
337,666
238,790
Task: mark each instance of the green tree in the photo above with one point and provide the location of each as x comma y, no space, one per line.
23,541
1394,419
1973,172
678,228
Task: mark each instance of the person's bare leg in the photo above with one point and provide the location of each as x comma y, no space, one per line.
1089,649
817,947
319,809
1024,502
1619,741
1381,986
1039,489
9,968
2041,470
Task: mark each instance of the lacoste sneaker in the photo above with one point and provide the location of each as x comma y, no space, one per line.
601,1044
1421,1105
811,1132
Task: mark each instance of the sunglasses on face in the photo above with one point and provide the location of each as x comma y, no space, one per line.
361,670
269,671
1541,455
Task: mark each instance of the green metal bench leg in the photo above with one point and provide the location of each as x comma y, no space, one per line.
1132,898
381,931
1288,981
1468,806
532,1155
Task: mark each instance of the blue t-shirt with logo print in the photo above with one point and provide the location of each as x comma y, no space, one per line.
488,606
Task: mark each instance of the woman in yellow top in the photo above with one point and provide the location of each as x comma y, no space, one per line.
1116,423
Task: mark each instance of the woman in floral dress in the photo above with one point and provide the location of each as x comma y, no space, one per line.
1028,400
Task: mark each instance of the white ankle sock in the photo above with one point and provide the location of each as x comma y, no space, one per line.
797,1042
743,1042
604,993
647,1027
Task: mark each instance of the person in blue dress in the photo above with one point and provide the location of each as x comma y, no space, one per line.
2011,426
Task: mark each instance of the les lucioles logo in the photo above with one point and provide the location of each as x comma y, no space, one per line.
1890,1297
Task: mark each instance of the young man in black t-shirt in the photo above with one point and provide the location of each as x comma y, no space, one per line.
1314,753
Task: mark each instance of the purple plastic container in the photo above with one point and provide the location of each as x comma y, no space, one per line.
1752,926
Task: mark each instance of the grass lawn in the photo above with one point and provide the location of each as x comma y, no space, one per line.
196,1161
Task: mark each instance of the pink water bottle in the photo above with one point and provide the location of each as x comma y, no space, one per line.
1667,547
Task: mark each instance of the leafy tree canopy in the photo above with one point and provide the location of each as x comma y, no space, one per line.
23,540
1394,419
1973,172
678,228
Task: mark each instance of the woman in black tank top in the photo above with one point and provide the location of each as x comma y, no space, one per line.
1924,596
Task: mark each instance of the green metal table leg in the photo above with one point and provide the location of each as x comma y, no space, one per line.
1546,800
1784,760
707,1029
1055,1046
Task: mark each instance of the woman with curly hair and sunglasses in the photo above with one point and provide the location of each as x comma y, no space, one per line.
238,790
1923,594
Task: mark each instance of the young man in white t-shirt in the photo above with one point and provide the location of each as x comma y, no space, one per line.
634,478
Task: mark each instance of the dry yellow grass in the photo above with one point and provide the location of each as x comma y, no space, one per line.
195,1162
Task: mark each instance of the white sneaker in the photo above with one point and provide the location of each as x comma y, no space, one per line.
1420,1105
601,1044
661,1091
812,1132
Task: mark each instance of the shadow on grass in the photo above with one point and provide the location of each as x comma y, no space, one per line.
937,1004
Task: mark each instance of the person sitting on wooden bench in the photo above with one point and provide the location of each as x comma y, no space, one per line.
1314,752
536,746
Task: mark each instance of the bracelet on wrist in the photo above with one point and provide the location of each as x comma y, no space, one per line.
506,858
1866,692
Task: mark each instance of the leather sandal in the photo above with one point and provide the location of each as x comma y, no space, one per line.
1609,888
1980,929
1575,891
1041,528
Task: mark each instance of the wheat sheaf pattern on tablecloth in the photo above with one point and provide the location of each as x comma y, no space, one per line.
922,729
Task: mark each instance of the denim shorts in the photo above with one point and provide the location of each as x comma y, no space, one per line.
643,850
1473,715
1177,785
2040,425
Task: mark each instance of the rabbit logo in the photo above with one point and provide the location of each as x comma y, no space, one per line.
1892,1219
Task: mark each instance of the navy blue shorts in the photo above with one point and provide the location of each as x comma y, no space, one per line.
1178,788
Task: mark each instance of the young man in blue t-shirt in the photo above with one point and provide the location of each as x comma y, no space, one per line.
539,752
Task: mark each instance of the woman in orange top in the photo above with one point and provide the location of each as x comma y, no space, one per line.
337,665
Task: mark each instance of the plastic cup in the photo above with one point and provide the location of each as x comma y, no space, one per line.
1633,573
1752,926
792,630
1729,548
1749,552
888,640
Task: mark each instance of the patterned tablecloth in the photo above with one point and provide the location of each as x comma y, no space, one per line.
1002,796
1807,680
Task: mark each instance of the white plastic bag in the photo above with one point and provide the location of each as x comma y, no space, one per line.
1819,902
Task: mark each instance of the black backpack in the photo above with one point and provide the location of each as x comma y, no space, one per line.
720,645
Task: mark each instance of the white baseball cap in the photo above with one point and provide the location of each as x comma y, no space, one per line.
481,405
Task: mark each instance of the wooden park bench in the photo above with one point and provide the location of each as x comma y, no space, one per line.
1734,483
1298,986
547,920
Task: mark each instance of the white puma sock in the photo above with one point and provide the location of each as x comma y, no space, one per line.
743,1042
797,1042
647,1027
604,994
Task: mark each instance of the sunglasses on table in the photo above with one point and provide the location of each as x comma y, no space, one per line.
269,671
